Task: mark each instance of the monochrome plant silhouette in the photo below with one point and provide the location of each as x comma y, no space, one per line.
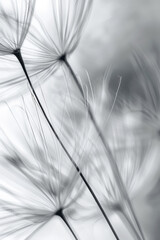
82,13
50,159
62,26
51,185
17,53
15,18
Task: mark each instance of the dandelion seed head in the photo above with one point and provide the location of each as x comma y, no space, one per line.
15,19
37,179
50,43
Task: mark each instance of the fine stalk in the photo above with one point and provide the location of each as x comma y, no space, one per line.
128,222
18,55
109,154
130,225
60,214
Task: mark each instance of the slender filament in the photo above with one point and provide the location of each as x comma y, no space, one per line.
18,55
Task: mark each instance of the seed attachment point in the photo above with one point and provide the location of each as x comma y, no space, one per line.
17,52
62,58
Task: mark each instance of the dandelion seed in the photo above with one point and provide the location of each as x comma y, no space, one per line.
62,29
51,43
49,49
15,19
17,53
37,183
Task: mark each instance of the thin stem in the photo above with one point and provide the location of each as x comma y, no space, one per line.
107,149
17,53
61,215
130,224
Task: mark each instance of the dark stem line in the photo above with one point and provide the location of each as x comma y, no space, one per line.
100,207
18,55
61,215
106,147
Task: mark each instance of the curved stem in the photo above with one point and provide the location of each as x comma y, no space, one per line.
61,215
111,159
18,55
